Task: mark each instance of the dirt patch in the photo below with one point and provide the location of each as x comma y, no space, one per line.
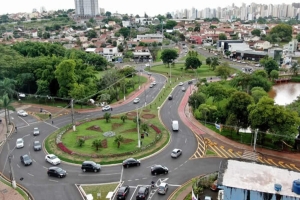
86,137
131,114
126,141
148,116
116,125
130,130
146,110
104,143
95,128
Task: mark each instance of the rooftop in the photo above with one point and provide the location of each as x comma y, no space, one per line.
257,177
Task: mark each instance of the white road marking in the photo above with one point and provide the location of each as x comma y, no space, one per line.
145,178
176,168
136,179
18,165
53,180
45,167
174,185
97,174
24,121
121,174
185,140
12,118
33,160
29,152
129,180
51,125
26,135
180,165
132,186
30,174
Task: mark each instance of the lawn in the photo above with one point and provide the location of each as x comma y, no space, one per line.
127,130
102,188
158,56
200,57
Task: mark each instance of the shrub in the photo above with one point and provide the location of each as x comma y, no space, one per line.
64,148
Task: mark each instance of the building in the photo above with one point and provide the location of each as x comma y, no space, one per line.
142,54
250,180
86,8
155,37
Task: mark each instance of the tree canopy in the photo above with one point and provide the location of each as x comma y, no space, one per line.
169,55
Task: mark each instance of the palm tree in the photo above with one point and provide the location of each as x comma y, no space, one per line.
5,104
144,127
7,86
123,118
295,68
107,117
97,144
118,140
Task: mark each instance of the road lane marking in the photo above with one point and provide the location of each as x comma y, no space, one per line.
30,174
18,165
288,166
24,121
98,174
45,167
33,160
281,164
293,165
272,162
53,180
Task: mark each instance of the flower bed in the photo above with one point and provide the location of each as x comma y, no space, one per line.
64,148
155,128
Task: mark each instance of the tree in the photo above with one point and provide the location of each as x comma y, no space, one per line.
295,68
5,103
283,31
227,53
125,32
298,37
7,86
256,32
135,120
168,56
237,105
123,118
108,14
91,34
257,93
223,71
196,99
65,74
197,28
206,111
214,62
78,92
192,62
118,140
274,74
120,48
144,127
80,142
169,16
222,36
170,24
208,61
114,43
261,20
97,144
269,64
107,117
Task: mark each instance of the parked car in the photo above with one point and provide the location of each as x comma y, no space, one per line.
37,146
90,166
22,113
36,131
176,153
136,100
170,97
159,169
163,188
106,108
123,192
52,159
143,193
56,172
26,160
19,143
180,84
131,162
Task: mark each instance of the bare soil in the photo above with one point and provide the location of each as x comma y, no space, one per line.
146,110
148,116
116,125
126,141
131,114
95,128
104,143
130,130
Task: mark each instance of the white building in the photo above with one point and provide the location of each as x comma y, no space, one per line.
86,8
156,37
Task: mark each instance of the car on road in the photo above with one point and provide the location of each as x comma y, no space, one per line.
56,172
52,159
22,113
183,89
123,192
207,198
90,166
163,188
106,108
243,62
170,97
180,84
136,100
176,153
26,160
131,162
37,146
143,193
154,83
190,82
151,85
159,169
36,131
19,143
257,65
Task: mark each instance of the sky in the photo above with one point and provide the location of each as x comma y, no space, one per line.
130,7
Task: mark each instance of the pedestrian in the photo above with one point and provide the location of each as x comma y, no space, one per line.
16,129
111,108
52,122
50,116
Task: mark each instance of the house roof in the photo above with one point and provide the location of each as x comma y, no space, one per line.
257,177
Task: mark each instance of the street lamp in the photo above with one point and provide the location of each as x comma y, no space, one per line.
138,126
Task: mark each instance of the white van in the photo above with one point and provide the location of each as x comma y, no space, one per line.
175,125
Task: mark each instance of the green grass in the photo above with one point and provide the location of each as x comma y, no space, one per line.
127,130
103,189
101,73
43,116
158,55
210,153
20,191
175,196
200,57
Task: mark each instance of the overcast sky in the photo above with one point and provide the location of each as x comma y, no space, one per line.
129,6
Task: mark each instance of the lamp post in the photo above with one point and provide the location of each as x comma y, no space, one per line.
138,127
12,176
145,95
124,92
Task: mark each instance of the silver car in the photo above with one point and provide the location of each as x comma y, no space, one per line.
163,188
176,153
36,131
136,100
19,143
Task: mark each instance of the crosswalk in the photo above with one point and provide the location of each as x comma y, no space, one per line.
201,148
221,151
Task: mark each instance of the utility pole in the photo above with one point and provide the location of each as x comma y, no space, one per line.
139,78
12,175
145,95
124,93
72,113
138,127
255,137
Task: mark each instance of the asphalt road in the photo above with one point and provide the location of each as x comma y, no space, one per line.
35,179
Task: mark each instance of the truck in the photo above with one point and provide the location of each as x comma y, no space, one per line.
175,125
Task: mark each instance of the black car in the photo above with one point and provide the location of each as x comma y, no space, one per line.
159,169
170,97
26,160
131,162
37,146
142,193
57,172
190,82
90,166
123,192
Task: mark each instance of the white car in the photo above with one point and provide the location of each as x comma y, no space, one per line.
52,159
106,108
180,84
22,113
36,131
19,143
153,83
257,65
176,153
136,100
